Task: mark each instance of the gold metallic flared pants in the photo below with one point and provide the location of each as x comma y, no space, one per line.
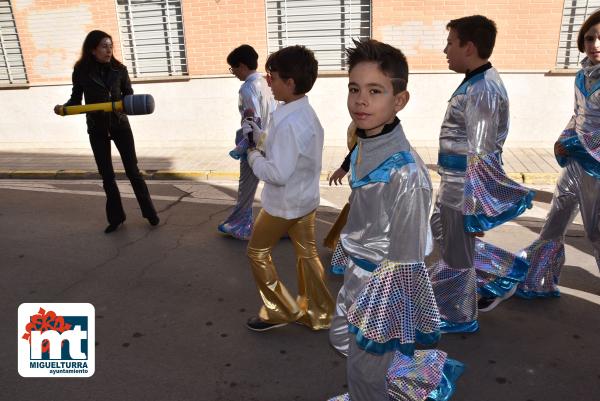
314,304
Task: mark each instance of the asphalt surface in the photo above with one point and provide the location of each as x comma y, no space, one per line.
171,302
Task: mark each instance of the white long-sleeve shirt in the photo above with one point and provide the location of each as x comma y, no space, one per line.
291,167
255,95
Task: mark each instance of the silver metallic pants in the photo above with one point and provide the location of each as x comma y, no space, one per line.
452,274
575,190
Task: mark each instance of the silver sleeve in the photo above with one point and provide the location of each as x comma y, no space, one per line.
408,226
482,119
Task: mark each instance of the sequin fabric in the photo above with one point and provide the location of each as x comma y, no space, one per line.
396,302
455,292
339,260
493,264
591,143
586,118
414,378
488,191
239,224
546,258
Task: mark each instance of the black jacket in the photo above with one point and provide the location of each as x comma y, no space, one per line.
102,83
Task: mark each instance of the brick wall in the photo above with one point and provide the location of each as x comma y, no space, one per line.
51,33
213,28
528,30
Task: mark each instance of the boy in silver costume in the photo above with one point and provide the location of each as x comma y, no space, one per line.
475,194
578,152
386,304
255,103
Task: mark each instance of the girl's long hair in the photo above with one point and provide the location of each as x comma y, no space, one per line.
92,40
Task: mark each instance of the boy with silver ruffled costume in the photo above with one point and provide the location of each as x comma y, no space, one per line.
386,304
578,152
475,193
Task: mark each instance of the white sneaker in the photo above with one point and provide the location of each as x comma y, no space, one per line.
487,304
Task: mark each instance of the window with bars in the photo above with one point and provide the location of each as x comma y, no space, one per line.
12,67
327,27
152,37
574,14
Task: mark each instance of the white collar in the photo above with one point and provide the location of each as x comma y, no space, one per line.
253,76
284,109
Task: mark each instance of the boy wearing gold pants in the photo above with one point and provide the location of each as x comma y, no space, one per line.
290,170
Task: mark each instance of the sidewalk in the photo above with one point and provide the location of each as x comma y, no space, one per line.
525,165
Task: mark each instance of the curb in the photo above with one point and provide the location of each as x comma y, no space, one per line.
213,175
540,178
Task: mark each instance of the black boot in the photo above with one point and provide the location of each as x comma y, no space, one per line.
154,220
113,227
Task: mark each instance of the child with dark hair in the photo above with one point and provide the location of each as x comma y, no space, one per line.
578,153
475,193
386,304
290,169
244,54
256,104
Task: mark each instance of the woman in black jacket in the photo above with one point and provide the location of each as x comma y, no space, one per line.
99,77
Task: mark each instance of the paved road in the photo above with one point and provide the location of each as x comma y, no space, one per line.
171,302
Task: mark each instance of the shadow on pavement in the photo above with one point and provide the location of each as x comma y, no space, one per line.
171,302
83,160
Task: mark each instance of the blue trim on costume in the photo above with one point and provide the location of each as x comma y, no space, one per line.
577,152
480,222
580,83
534,294
427,338
394,344
364,264
452,162
497,288
449,327
338,270
502,285
452,370
237,156
462,89
383,172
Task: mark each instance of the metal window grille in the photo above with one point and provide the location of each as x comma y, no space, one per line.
12,67
152,37
327,27
574,14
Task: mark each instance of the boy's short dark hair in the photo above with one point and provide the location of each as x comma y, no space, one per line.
477,29
391,61
590,21
296,62
244,54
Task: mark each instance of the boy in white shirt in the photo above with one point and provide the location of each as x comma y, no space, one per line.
290,170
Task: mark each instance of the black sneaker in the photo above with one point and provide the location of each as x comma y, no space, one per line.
256,324
487,304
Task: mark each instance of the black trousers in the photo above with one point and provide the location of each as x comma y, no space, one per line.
102,154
